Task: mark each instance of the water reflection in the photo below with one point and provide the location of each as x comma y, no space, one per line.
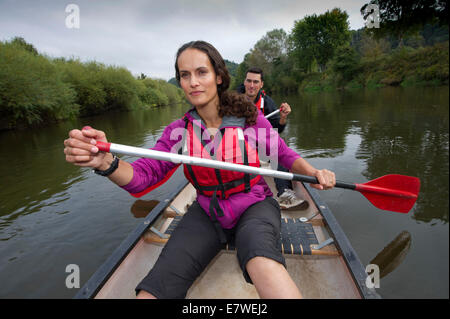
393,254
37,176
141,208
402,131
411,137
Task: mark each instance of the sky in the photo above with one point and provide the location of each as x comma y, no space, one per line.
143,36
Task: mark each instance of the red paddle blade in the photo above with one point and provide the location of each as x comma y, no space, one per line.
396,193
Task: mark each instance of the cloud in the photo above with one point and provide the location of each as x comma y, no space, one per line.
143,36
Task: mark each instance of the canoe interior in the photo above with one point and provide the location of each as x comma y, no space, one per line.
317,276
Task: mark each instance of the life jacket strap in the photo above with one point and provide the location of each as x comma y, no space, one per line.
224,186
241,140
214,211
189,167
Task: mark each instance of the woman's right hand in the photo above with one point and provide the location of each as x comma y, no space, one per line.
80,148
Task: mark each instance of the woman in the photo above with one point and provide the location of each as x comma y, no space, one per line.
245,212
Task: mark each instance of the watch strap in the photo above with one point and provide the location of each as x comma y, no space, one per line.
111,169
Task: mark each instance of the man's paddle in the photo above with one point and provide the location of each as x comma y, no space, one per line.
396,193
272,114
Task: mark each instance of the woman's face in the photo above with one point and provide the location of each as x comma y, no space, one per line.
197,78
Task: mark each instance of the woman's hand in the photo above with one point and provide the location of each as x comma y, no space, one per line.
326,178
80,148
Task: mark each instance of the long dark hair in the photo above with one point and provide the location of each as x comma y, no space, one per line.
231,103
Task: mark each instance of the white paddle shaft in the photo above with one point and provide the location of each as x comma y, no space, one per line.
184,159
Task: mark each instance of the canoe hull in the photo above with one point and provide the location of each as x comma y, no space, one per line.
334,273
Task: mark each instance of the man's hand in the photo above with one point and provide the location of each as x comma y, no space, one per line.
285,109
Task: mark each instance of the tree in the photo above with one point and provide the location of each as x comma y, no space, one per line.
272,46
345,64
373,48
402,18
240,72
316,38
19,41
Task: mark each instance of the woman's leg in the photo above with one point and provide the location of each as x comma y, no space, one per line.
257,244
271,279
192,245
145,295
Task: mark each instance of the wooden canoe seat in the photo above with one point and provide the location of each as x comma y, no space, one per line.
297,238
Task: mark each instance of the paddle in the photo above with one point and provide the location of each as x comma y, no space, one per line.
272,114
396,193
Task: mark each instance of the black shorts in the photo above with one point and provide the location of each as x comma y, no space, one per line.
194,243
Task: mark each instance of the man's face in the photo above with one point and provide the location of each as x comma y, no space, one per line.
253,84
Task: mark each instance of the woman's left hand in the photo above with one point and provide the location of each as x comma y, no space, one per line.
326,178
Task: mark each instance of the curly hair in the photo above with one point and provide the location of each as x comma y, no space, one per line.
231,103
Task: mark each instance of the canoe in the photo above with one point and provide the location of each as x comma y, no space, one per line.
319,257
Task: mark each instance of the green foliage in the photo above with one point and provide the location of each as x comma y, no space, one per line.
345,65
364,61
35,89
231,66
32,89
241,72
174,81
403,18
86,80
270,54
161,93
318,37
20,42
409,67
121,89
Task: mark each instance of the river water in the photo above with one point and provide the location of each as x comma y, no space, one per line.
53,214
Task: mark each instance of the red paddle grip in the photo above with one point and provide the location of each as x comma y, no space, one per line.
103,146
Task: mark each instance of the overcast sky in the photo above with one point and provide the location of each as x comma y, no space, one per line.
143,36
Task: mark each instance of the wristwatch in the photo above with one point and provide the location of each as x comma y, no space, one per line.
111,169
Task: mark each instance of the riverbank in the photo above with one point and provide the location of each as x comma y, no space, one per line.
36,90
406,67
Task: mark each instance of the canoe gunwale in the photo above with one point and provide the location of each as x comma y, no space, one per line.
104,272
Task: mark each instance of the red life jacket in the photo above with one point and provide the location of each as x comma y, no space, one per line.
259,101
216,182
232,148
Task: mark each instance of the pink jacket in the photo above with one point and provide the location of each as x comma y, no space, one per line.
148,172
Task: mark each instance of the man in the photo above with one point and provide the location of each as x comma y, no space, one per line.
252,88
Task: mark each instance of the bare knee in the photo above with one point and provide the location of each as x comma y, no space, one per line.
262,269
271,279
263,264
145,295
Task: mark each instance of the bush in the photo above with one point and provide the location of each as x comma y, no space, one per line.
32,89
86,80
161,93
35,88
345,65
122,90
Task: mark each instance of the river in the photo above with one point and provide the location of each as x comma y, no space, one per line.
53,214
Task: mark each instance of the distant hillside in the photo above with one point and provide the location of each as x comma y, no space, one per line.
174,82
232,67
